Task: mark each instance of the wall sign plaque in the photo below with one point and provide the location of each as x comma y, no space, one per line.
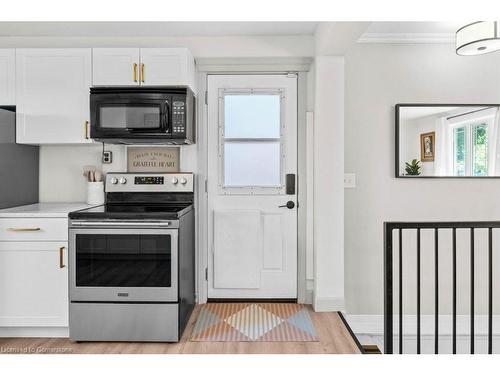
153,159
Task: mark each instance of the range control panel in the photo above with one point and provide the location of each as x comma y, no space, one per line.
178,117
149,182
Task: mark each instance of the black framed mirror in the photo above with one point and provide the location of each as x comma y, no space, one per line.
447,140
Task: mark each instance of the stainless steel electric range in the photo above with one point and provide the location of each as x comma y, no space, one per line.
131,260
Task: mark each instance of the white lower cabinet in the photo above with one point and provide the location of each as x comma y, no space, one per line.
33,284
33,275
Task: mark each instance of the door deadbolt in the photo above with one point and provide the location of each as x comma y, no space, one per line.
289,205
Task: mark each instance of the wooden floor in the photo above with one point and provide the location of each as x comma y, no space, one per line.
334,339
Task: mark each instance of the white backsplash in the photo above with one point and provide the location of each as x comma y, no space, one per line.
61,168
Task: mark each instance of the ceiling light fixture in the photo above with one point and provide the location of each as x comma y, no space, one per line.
478,38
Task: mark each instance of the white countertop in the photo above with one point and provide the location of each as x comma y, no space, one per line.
43,210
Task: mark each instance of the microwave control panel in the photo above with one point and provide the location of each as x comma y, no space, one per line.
178,117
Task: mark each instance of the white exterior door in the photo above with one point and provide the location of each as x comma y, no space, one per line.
252,164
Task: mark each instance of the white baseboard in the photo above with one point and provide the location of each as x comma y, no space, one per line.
309,297
374,324
322,304
34,331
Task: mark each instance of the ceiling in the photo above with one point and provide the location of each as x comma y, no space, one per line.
412,113
377,32
154,29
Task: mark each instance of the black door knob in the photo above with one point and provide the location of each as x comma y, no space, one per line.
289,205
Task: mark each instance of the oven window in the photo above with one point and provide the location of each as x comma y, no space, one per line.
129,117
123,260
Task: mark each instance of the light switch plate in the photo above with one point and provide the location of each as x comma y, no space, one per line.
349,180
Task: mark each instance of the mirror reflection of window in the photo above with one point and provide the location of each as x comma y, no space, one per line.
449,141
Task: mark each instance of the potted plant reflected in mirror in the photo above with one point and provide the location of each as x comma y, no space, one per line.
413,168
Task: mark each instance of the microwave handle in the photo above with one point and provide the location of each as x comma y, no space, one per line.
166,118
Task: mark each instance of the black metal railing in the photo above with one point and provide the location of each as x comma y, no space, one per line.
389,228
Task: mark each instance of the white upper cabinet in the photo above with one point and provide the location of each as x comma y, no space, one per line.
143,67
52,95
115,66
7,76
167,66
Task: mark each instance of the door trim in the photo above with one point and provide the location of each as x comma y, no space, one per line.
201,195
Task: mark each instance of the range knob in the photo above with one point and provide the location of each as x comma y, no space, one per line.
183,181
114,180
175,180
123,180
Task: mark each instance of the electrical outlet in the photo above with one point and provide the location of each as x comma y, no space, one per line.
107,157
349,180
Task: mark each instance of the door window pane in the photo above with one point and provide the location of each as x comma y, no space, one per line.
130,117
252,116
252,164
123,260
459,151
480,150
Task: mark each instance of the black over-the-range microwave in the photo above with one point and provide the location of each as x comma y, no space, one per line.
128,115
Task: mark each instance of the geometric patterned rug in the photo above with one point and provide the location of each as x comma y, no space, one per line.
254,322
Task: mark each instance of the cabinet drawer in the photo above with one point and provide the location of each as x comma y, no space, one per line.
33,229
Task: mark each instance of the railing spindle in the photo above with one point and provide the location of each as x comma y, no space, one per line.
388,290
471,290
454,290
400,281
490,291
436,295
418,291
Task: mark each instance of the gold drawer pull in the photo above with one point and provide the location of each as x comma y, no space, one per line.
23,229
86,129
135,72
61,257
142,72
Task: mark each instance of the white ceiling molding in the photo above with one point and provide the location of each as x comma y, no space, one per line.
408,38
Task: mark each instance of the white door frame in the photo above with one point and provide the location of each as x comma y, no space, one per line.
248,66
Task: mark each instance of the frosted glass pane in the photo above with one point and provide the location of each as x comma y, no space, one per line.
252,164
252,116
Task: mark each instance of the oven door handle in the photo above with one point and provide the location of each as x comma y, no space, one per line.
111,224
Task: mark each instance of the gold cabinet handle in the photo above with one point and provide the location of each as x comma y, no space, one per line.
142,72
86,129
61,257
135,72
24,229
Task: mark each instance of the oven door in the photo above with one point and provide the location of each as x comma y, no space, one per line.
123,264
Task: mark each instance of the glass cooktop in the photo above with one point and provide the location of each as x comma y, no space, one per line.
134,211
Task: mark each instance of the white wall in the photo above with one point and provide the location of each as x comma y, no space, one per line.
377,77
328,184
61,168
410,132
